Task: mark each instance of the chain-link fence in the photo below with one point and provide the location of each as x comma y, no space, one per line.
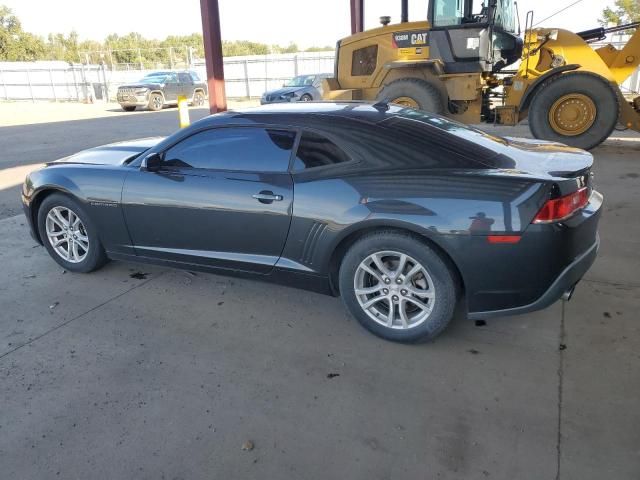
245,77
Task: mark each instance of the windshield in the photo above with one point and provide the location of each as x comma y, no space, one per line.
505,15
158,77
300,81
457,12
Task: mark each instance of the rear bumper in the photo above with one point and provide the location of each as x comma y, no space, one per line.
564,282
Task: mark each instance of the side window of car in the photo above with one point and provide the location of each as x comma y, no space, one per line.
364,61
234,148
317,151
184,78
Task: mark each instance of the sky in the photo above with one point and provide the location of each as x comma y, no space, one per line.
304,22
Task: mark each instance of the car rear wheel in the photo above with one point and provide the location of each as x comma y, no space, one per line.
156,102
69,235
306,98
398,287
129,108
198,99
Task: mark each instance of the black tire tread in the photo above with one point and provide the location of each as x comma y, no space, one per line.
429,97
96,258
447,296
538,111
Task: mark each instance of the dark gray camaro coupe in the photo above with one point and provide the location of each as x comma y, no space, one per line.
401,213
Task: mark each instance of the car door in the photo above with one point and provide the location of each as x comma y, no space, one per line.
185,85
171,88
222,197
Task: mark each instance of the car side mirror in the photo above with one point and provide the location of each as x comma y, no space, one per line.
152,162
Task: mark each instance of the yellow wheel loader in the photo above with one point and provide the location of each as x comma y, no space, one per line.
455,64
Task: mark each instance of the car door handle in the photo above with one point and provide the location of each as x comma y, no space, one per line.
267,196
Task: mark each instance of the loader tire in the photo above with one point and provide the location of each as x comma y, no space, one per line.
414,93
578,109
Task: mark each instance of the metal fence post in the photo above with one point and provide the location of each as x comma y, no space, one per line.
266,63
105,87
53,86
30,86
85,88
75,81
4,85
295,66
247,84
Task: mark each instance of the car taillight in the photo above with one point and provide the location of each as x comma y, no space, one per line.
560,208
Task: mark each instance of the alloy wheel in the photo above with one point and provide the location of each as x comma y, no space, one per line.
394,289
67,234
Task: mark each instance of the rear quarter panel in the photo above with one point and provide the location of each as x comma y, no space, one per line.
451,209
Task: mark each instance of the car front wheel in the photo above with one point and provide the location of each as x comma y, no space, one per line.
398,287
156,102
69,235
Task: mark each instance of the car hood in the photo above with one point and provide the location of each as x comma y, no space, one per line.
113,153
141,85
284,91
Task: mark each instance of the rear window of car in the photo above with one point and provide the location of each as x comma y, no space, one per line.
445,141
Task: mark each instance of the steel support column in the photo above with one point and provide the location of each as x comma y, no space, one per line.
357,16
213,54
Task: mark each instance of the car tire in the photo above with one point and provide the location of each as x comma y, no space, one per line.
413,93
94,255
306,98
198,99
128,108
587,91
433,285
156,102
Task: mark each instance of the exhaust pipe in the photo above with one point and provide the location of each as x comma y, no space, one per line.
566,296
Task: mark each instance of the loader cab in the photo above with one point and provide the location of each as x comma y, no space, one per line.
474,36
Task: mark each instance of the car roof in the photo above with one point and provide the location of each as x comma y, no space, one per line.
364,111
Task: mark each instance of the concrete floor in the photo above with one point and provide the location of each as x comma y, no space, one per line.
166,376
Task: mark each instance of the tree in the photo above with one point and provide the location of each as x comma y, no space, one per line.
132,48
319,49
16,44
63,47
624,11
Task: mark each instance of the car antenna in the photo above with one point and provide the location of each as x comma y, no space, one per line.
382,105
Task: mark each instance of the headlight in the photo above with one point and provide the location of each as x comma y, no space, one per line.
141,91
